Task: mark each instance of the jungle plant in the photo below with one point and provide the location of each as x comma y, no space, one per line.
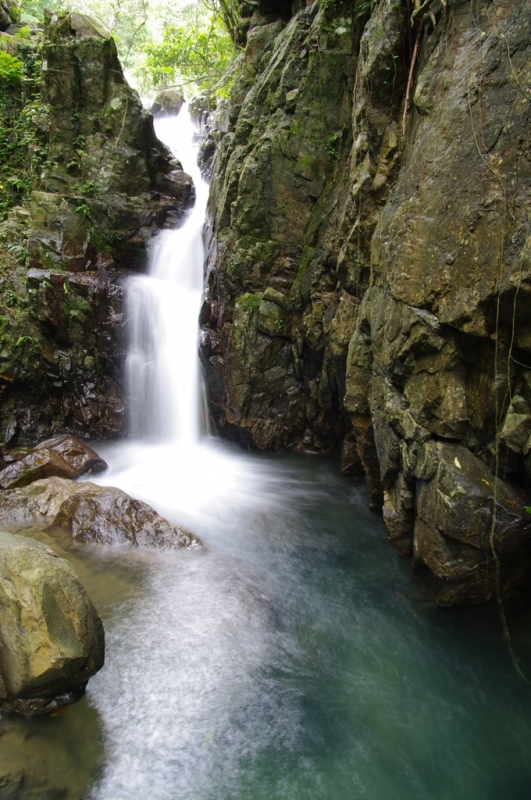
21,149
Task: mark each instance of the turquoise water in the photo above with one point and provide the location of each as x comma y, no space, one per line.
294,658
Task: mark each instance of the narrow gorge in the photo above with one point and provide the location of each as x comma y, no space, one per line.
265,407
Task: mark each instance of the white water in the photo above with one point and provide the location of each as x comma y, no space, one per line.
181,662
162,310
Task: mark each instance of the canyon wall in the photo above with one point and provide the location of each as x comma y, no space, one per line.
102,186
369,271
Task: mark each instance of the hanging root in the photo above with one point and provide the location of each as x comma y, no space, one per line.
412,72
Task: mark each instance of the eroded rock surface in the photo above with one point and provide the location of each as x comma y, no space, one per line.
51,637
367,285
92,513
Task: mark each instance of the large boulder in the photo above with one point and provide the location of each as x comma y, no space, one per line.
51,637
168,102
92,513
63,456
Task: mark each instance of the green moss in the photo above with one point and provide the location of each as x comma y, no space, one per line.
249,300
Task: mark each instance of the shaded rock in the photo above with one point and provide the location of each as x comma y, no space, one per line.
280,144
51,636
9,13
388,226
471,530
106,187
92,513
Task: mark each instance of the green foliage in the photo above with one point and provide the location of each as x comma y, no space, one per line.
18,251
193,55
11,71
83,209
87,189
23,340
161,44
332,145
21,147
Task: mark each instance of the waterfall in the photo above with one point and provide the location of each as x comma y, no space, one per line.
162,308
167,462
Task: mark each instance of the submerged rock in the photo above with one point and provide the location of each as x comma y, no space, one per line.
92,513
51,637
63,456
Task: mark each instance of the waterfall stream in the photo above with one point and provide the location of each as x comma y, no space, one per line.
293,657
162,308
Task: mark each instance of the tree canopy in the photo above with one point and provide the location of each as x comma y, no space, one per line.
161,43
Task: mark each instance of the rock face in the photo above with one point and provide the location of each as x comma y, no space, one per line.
91,513
63,456
51,637
106,187
368,275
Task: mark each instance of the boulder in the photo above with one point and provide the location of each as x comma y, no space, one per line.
168,102
76,453
92,513
63,456
51,637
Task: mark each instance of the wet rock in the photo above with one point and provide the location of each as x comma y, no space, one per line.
79,455
41,464
91,513
63,456
168,102
471,532
389,229
51,636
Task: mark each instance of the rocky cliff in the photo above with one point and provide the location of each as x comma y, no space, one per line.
103,186
369,270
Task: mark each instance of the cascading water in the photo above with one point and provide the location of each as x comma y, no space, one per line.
162,374
292,658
